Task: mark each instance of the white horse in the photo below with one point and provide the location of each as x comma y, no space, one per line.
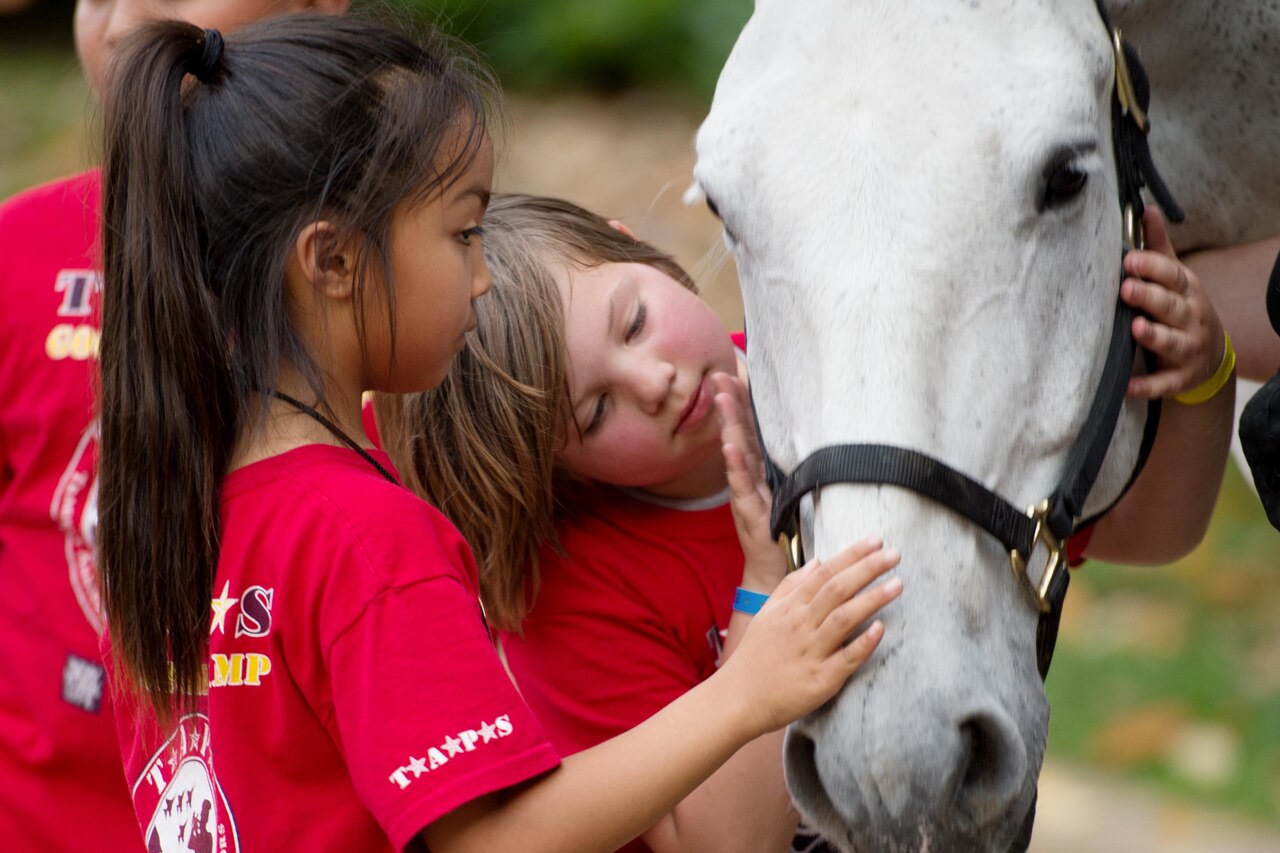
921,199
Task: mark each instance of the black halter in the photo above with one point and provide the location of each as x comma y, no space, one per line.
1054,519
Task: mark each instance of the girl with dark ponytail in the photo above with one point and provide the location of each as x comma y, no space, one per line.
292,216
59,752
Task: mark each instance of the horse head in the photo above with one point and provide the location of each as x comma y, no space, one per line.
921,198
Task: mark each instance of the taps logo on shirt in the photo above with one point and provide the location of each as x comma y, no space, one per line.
77,288
178,788
75,511
75,340
253,620
451,747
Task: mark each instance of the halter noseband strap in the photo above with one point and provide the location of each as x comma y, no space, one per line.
1054,519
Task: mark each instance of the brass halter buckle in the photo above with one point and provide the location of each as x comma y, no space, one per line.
1135,236
1125,92
1039,592
790,545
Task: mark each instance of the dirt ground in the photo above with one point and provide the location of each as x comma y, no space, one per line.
632,159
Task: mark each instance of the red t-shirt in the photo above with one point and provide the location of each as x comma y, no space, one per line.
354,694
628,619
61,786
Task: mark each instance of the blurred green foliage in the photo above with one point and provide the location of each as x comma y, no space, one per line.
596,45
1152,658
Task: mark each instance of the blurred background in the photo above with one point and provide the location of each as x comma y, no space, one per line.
1165,688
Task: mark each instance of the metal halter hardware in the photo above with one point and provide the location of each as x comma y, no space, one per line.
1040,592
1050,522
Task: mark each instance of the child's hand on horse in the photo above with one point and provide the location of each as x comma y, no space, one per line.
1182,328
764,563
805,643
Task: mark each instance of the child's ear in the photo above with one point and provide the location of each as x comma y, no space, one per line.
323,261
619,225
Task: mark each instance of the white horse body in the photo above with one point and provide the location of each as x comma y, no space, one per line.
882,169
1215,72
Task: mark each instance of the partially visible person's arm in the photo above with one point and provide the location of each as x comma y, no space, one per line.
1167,511
1236,280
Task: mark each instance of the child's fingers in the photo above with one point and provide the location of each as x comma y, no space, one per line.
746,494
859,550
839,626
1164,383
1171,345
734,434
1162,304
854,654
1156,231
806,581
1165,271
754,452
737,425
741,483
848,581
734,427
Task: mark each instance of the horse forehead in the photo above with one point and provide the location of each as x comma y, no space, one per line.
822,70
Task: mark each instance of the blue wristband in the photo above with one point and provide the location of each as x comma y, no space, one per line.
746,601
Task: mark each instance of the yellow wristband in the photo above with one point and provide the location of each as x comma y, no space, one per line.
1209,388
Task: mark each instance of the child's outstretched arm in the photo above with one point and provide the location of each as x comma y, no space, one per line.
793,658
1166,512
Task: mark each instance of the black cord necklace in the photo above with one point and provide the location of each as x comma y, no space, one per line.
337,433
349,442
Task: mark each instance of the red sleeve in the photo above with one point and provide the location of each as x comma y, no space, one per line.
421,746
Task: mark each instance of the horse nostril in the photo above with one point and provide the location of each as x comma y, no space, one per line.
809,789
992,766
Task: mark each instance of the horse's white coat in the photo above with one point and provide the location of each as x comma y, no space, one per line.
881,169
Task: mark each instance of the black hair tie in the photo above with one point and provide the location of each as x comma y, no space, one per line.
210,60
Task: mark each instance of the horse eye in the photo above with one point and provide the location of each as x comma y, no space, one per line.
1064,183
715,211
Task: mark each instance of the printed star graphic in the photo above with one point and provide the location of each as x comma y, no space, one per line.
487,732
173,760
221,605
417,766
195,740
452,745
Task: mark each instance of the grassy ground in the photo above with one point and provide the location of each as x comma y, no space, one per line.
1170,676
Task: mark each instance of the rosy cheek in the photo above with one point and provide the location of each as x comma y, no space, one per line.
625,445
